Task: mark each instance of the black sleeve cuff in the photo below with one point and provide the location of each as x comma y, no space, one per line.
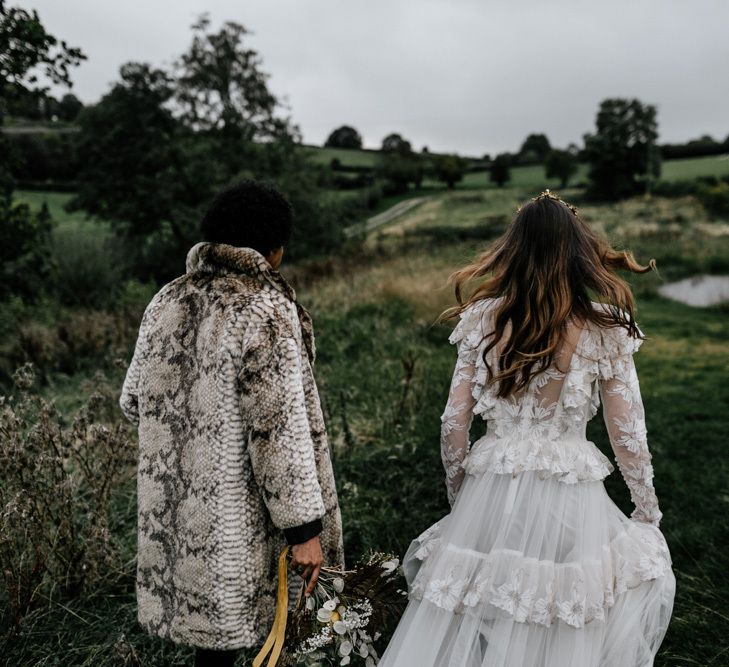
301,534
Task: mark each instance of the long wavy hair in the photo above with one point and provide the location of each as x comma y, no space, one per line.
543,266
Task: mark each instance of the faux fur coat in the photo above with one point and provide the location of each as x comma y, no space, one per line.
233,453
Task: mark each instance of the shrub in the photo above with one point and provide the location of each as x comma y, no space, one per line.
24,250
501,170
715,198
56,482
449,169
87,268
65,340
674,188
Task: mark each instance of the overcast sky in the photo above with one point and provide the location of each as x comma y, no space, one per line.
471,76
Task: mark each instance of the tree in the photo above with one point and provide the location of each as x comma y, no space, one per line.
143,171
399,170
69,107
394,143
535,148
25,50
28,50
560,164
128,146
449,169
221,87
622,154
501,169
223,94
344,137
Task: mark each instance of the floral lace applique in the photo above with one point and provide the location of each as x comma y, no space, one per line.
543,430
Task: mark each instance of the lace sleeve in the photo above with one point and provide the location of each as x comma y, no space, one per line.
455,426
458,414
624,417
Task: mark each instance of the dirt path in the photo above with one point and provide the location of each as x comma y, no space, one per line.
389,215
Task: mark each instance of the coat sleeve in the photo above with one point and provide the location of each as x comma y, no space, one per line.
129,399
280,444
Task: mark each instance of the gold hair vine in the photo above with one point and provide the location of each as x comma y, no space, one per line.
547,194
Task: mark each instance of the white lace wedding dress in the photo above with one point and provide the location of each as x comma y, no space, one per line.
535,566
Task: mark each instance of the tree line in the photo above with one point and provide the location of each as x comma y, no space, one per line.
622,154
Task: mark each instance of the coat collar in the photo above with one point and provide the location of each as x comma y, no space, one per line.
224,259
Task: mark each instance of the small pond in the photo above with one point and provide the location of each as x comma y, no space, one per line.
698,291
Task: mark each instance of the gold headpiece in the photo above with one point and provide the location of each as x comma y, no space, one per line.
546,194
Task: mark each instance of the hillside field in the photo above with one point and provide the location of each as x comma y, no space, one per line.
528,177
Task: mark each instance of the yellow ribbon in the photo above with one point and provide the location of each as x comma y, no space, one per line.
274,643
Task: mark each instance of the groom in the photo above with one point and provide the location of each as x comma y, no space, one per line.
233,453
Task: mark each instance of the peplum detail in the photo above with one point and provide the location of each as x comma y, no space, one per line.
569,461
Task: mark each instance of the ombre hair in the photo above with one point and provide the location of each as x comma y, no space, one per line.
543,266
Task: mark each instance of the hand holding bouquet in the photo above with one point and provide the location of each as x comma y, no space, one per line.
340,622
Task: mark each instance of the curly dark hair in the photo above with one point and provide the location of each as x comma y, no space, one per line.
249,214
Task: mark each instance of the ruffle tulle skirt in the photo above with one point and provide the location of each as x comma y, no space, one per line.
529,571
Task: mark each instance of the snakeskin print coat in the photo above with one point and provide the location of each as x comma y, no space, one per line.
233,452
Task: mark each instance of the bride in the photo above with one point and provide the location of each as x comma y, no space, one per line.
535,566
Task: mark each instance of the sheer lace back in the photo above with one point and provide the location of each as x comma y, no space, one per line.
542,427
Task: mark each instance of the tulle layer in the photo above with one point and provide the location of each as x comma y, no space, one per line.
568,460
538,591
429,636
536,549
531,571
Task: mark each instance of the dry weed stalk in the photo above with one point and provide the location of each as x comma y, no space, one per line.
56,481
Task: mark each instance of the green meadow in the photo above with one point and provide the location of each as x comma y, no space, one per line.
532,176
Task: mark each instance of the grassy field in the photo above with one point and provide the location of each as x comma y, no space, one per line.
348,157
74,221
533,176
374,315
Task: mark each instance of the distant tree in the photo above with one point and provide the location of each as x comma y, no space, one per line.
220,86
25,104
130,148
69,107
560,164
449,169
26,49
41,156
535,148
425,150
501,169
398,171
394,143
344,137
622,153
144,171
486,157
704,145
